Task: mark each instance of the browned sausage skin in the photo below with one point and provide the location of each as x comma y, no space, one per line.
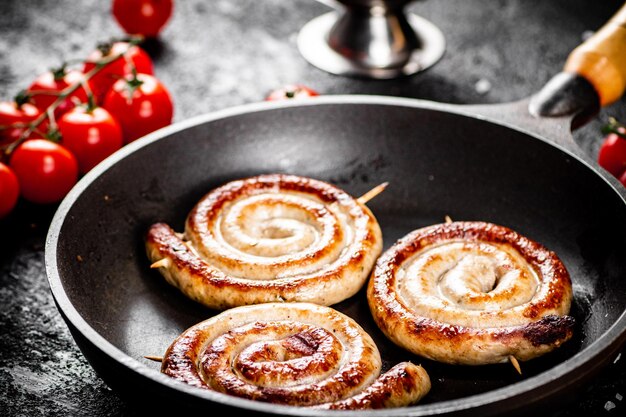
297,354
471,293
270,238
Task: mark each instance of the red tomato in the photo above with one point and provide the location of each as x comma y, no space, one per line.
101,82
612,155
45,170
142,17
90,135
55,82
291,91
12,113
142,108
9,190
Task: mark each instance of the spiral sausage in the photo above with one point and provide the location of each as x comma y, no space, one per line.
297,354
471,293
270,238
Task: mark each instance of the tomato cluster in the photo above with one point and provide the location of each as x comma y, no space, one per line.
68,120
612,155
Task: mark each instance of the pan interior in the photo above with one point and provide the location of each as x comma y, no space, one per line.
436,163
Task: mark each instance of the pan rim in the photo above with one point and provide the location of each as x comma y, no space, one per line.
533,390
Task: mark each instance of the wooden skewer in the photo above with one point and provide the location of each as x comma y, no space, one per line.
163,263
448,219
515,364
154,358
372,193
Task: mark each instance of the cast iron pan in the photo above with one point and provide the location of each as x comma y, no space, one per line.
497,164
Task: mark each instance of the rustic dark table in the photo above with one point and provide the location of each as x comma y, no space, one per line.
221,53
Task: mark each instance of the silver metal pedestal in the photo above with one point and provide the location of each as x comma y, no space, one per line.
367,39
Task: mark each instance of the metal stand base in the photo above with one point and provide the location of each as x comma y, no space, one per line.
332,42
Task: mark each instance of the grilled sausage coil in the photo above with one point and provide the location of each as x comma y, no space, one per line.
270,238
298,354
471,293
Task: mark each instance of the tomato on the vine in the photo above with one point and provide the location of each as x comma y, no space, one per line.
140,104
612,155
291,91
142,17
45,89
14,113
102,81
90,134
46,171
9,190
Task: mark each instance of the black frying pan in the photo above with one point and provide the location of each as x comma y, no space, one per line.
496,164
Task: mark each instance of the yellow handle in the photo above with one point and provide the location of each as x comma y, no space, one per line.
601,59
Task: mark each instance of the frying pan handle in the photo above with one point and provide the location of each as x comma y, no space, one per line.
594,75
602,59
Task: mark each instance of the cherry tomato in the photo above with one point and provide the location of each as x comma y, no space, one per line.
54,82
91,135
142,17
291,91
101,82
141,105
13,113
46,171
9,190
612,155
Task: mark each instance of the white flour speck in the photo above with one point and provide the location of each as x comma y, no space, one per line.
482,86
586,35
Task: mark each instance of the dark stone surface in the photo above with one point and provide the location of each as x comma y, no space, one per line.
220,53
